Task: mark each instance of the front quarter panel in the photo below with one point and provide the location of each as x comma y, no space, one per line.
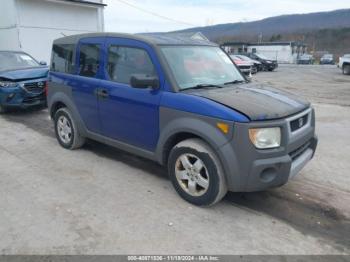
201,106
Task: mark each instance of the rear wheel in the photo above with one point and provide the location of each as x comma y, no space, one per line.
66,130
346,69
196,173
2,109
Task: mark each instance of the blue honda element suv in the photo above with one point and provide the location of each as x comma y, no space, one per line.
183,103
22,80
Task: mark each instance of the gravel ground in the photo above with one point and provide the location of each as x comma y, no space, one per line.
99,200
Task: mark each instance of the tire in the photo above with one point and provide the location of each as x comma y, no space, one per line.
203,187
346,69
66,130
2,109
254,70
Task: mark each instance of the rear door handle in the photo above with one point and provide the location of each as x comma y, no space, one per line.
102,93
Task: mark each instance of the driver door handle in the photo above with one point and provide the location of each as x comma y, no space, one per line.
102,93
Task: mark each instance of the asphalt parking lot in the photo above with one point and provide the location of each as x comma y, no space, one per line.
99,200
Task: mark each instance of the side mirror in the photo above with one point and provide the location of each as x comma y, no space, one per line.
144,81
43,63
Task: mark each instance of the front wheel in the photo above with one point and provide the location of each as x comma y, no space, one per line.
2,109
196,173
346,69
66,130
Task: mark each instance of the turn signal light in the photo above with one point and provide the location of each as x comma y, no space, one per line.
45,88
223,127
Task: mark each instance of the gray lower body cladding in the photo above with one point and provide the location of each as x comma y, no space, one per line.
249,169
246,168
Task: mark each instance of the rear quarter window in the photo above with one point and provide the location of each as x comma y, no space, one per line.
63,58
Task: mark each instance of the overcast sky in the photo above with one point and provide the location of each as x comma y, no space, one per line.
121,17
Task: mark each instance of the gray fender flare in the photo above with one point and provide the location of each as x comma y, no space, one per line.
218,141
61,97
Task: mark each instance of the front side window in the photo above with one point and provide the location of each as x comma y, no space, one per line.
89,59
62,58
13,60
123,62
198,65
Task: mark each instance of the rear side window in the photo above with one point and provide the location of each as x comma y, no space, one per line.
62,58
123,62
89,59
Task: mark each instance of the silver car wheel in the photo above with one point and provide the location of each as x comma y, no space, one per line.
192,175
64,129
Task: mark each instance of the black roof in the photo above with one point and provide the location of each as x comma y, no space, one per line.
154,39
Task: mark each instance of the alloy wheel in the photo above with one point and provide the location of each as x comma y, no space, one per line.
64,129
192,174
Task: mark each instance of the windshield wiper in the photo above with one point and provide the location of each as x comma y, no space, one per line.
235,82
200,86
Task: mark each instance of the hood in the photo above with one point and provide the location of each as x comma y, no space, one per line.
24,74
256,62
242,62
256,101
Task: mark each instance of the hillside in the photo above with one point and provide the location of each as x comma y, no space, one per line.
285,24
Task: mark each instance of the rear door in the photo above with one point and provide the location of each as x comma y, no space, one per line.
89,61
128,114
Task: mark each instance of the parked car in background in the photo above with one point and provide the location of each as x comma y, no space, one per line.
327,59
22,80
267,64
182,103
344,64
256,65
245,66
306,59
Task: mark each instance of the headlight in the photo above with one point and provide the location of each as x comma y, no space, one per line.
269,62
5,84
264,138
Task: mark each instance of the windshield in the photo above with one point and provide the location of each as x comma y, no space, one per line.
262,56
10,60
200,65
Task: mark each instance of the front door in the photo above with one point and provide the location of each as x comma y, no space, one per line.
128,114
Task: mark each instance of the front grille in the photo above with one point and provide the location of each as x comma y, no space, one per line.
300,150
298,123
244,67
35,87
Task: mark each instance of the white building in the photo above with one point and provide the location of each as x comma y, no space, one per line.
283,52
32,25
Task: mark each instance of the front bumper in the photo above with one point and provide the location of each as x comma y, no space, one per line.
271,66
19,97
327,62
249,169
245,70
